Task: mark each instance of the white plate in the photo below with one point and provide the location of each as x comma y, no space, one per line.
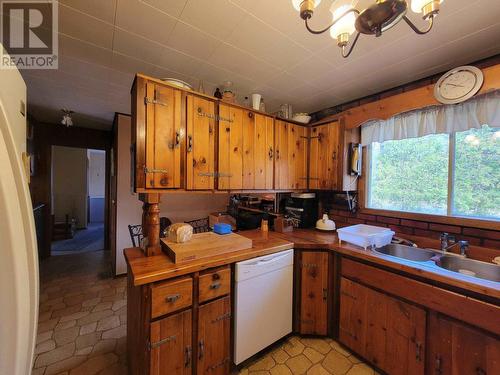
178,83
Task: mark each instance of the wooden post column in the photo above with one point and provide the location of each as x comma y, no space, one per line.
151,223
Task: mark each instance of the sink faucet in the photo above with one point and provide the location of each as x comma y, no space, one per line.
448,241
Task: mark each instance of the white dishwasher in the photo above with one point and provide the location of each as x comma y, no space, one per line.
263,307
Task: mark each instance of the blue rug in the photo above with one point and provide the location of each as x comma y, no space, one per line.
90,239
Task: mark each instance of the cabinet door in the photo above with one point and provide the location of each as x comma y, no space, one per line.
171,345
352,319
200,143
319,157
249,150
281,162
297,156
230,164
214,336
455,348
264,152
333,166
324,157
314,293
163,137
382,328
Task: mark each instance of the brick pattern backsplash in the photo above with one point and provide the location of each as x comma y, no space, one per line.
478,237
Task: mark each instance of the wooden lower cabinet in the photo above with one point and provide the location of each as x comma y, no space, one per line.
171,349
386,331
314,292
214,337
456,348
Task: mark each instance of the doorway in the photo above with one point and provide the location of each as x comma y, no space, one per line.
78,200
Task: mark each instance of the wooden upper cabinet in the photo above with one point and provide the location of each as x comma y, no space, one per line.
381,328
264,152
325,157
214,337
245,157
314,293
200,143
230,166
455,348
170,345
291,156
157,112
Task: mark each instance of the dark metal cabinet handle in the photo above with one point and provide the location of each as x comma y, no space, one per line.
215,286
438,369
176,143
334,155
418,354
173,298
190,143
201,353
188,353
270,153
325,294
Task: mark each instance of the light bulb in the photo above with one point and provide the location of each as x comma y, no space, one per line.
418,5
296,4
346,24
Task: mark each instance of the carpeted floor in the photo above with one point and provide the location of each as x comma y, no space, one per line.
90,239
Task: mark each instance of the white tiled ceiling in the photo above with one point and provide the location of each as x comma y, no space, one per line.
259,45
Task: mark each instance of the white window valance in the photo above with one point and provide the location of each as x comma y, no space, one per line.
474,113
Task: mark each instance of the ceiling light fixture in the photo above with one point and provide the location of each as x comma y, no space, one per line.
373,20
67,120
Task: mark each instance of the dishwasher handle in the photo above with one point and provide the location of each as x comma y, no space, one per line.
268,261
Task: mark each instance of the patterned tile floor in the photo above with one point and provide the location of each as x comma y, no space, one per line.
306,355
82,318
82,328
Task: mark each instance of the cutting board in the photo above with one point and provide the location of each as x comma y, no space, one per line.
204,245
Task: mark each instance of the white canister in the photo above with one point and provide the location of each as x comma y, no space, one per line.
256,101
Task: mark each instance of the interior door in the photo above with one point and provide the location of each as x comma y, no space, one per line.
200,147
314,293
163,137
230,163
214,336
171,349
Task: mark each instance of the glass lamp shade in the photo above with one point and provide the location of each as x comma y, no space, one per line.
344,25
418,5
296,4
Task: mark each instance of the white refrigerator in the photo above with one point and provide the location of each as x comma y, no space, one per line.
18,249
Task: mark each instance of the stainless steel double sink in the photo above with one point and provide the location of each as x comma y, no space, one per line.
454,263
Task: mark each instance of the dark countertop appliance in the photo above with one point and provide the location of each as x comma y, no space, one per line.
302,208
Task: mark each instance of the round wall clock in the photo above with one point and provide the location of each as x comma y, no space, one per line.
458,84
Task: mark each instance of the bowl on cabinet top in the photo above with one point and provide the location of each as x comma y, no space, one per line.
302,117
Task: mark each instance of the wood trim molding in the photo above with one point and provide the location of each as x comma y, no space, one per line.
448,220
422,97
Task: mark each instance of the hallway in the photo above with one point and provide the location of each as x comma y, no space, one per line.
82,318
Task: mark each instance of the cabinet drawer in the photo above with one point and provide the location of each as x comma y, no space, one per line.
171,296
214,284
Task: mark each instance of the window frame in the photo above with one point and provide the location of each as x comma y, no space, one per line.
449,218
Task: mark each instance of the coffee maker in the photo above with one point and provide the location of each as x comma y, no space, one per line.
302,208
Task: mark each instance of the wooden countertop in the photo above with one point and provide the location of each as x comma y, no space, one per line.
149,269
159,267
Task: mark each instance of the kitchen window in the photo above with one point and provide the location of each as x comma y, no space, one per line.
455,174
